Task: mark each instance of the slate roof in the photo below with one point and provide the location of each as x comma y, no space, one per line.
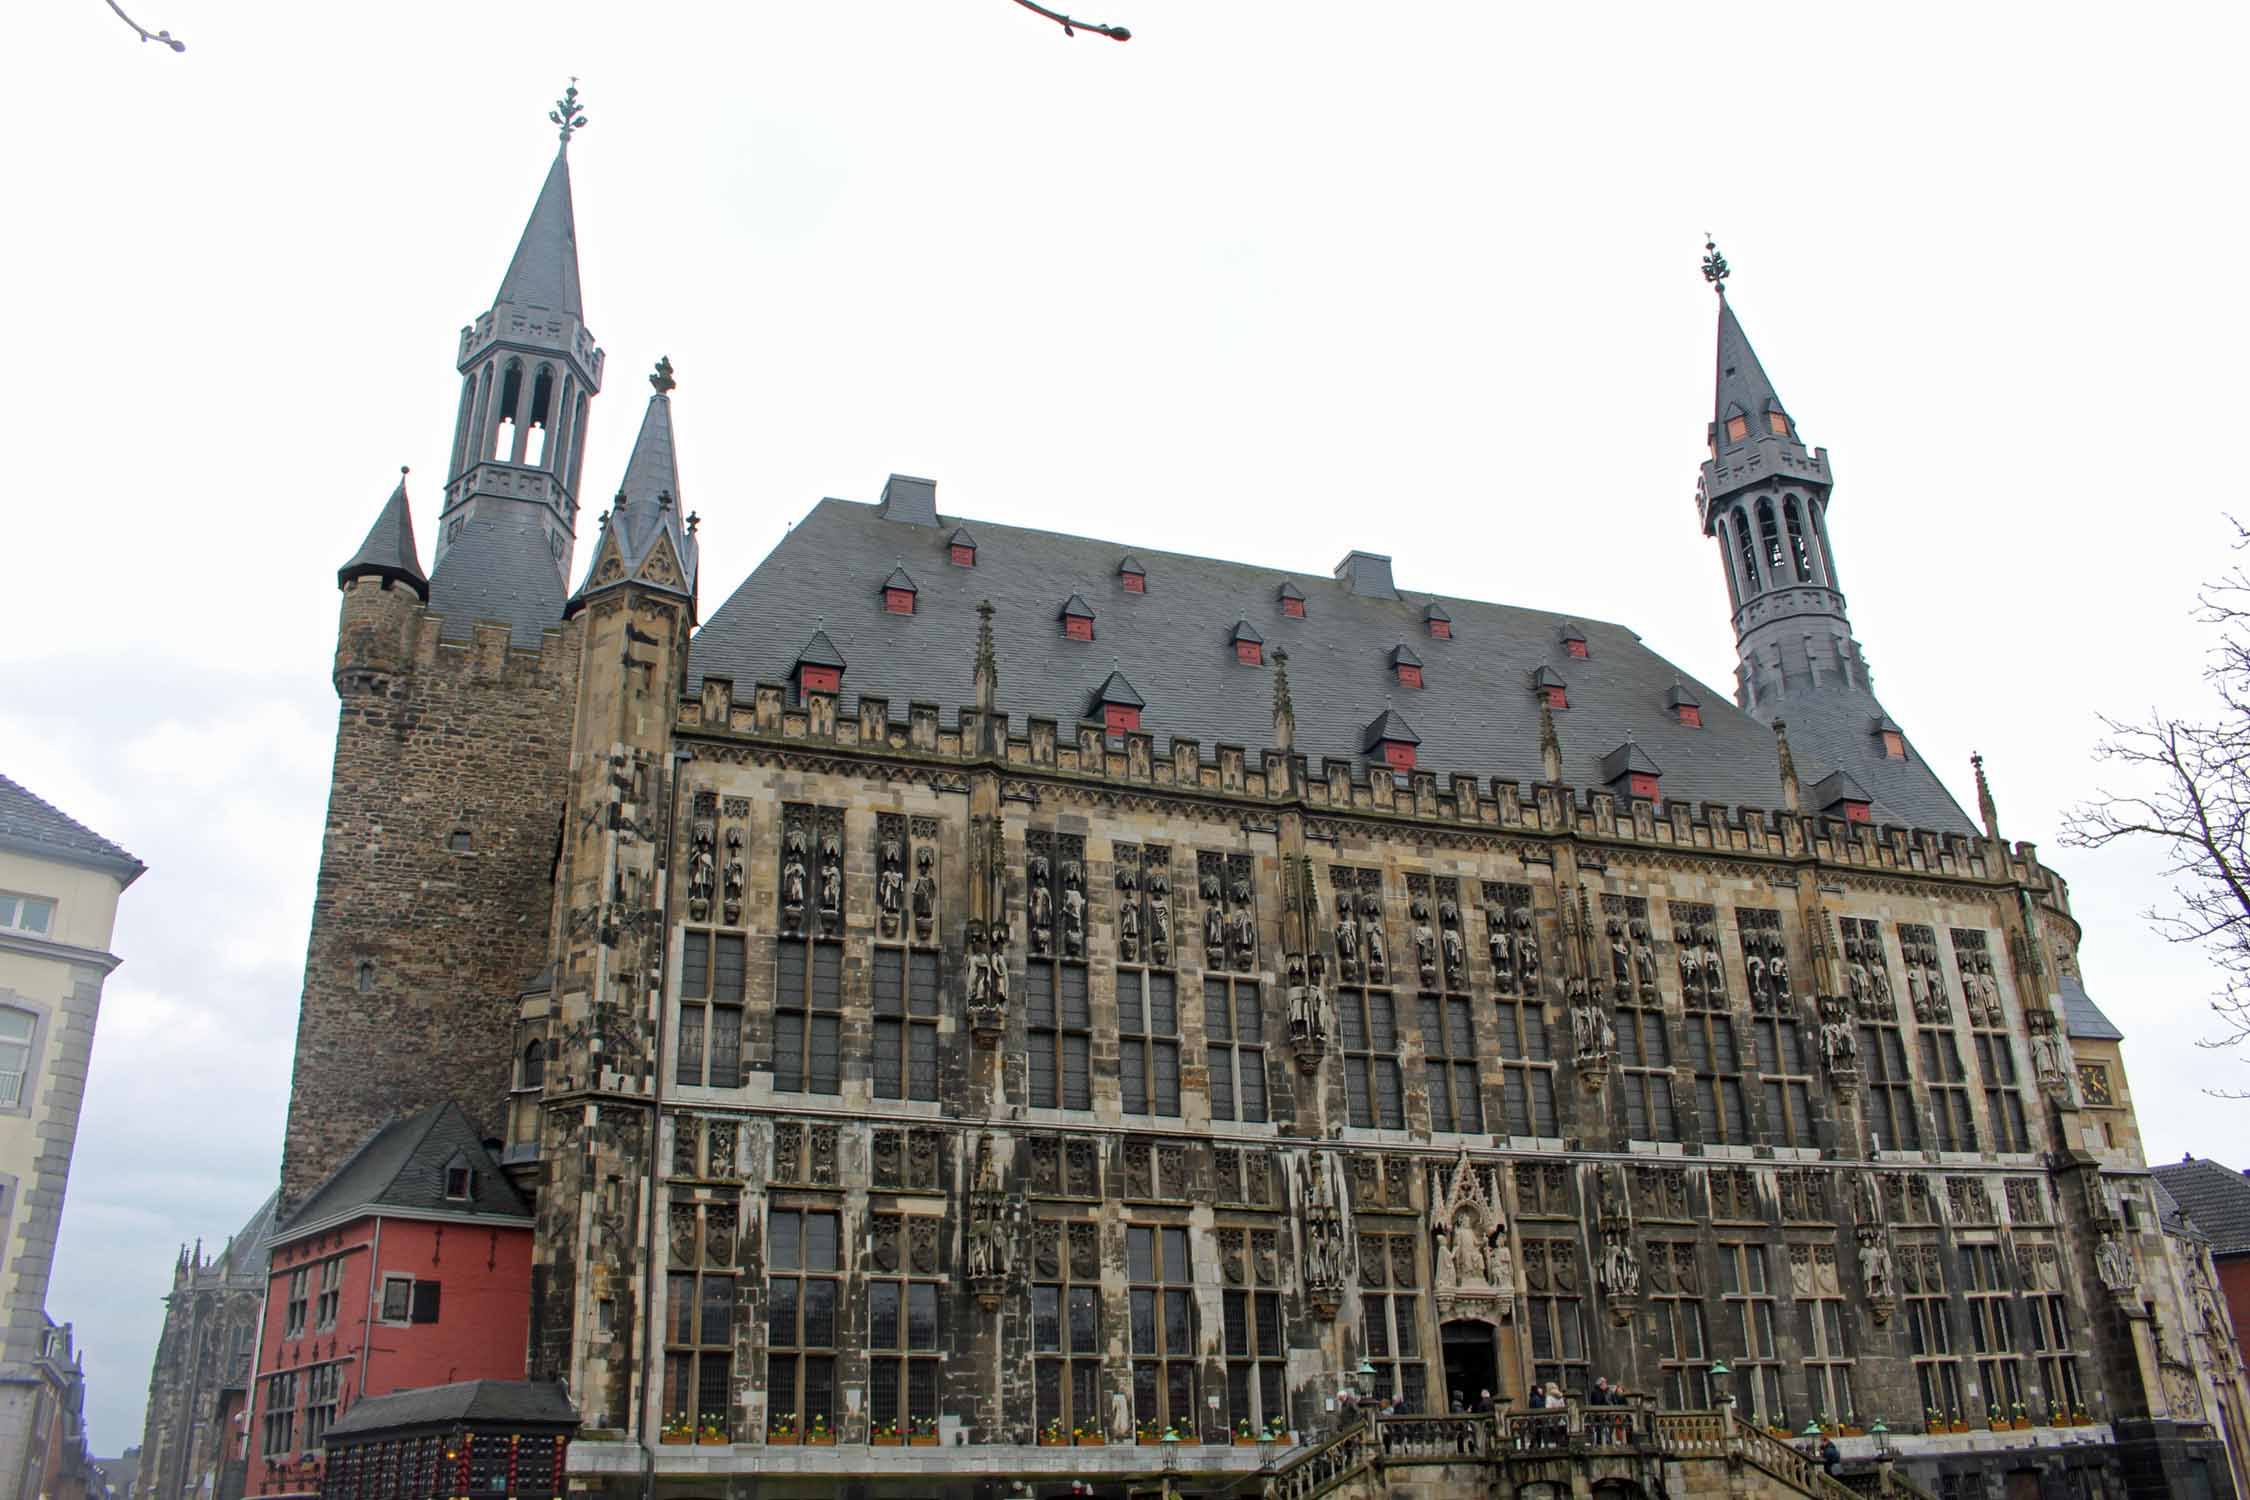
389,550
1742,388
2172,1217
1115,689
2216,1198
499,1402
647,508
498,570
1391,726
1482,719
34,826
401,1167
544,271
2082,1017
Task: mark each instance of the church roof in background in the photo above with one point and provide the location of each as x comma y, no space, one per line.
1476,713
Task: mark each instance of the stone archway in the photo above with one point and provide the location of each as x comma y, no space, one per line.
1470,1348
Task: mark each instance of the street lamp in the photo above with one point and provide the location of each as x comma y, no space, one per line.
1882,1437
1720,1372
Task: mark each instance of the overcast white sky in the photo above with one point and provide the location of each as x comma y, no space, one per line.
1271,281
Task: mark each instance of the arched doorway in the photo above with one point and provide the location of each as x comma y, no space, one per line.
1472,1361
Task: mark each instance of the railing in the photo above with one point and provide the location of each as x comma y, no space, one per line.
1785,1463
1692,1434
1323,1466
1881,1481
1462,1435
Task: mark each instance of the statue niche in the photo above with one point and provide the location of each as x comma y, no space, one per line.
1476,1274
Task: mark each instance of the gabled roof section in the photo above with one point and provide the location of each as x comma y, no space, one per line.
400,1170
1544,677
1245,631
389,552
1391,726
644,538
820,651
2082,1018
1838,786
1436,612
962,537
1681,695
544,272
2216,1199
1628,759
510,1403
1481,719
901,579
1132,565
1288,590
1402,655
1076,608
1742,387
1570,632
1115,691
33,826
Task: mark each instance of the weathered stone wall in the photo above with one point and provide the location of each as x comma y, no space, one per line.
419,947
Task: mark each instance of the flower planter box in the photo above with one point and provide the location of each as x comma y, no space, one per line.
2019,1424
881,1441
1053,1440
1092,1440
707,1440
676,1438
922,1440
821,1439
781,1437
1850,1431
1150,1442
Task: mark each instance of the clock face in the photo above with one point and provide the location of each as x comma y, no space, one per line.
2093,1082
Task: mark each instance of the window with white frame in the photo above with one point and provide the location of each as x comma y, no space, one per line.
33,914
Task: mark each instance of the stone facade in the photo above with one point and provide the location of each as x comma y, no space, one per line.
199,1379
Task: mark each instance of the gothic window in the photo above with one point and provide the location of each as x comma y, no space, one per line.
1717,1063
1887,1091
1644,1070
1449,1049
1527,1069
1786,1065
331,1294
538,422
1799,557
803,1257
1162,1301
1921,1269
1949,1092
1675,1304
1391,1317
2047,1318
1234,1027
1369,1027
1746,1292
1059,1023
905,970
322,1382
699,1299
534,1063
1996,1058
1746,551
1820,1333
1991,1332
808,1001
1257,1397
1769,542
1066,1328
1148,1006
293,1317
281,1415
504,429
903,1333
1554,1284
711,977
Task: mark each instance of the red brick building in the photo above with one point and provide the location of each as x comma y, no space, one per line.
410,1266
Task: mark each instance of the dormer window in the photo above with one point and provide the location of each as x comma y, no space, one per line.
1438,622
961,548
1077,619
460,1180
1249,646
1116,704
1406,666
820,666
1574,641
1890,737
1391,740
898,592
1629,772
1840,796
1738,428
1686,708
1292,601
1778,422
1548,684
1132,576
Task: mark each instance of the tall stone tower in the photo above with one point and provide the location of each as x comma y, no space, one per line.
456,694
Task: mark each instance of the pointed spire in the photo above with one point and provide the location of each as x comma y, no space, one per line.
544,272
1550,743
654,468
1284,712
988,661
1986,811
1742,389
1790,797
647,509
389,552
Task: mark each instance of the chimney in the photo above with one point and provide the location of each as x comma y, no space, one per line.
908,499
1367,574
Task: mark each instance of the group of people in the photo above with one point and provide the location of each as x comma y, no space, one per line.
1550,1397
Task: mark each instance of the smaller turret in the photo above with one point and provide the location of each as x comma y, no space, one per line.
384,588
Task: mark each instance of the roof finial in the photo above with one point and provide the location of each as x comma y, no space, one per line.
1985,808
1550,743
1789,795
1284,712
566,112
402,471
662,379
1715,267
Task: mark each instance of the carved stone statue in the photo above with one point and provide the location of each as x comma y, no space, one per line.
1620,1270
1527,958
2114,1264
731,888
1129,931
1918,991
1875,1265
1074,920
1474,1264
1214,932
701,854
1347,944
1377,964
1327,1254
993,1226
1244,932
1496,939
1455,956
1425,953
1160,919
890,883
925,892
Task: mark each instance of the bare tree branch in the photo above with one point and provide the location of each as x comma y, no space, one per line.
144,33
2194,802
1070,27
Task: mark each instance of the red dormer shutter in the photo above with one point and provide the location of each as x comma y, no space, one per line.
1557,698
1118,717
1135,583
898,601
1249,653
1442,629
1409,676
1641,786
1293,608
1576,648
1398,756
963,557
818,679
1078,627
1691,716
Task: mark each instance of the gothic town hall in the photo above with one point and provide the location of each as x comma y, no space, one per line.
974,1011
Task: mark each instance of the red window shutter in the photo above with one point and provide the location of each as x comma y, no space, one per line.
1249,653
1691,716
1409,676
818,679
899,601
1078,628
1857,812
1557,698
1642,786
963,557
1894,745
1118,718
1398,756
1577,649
1293,608
1442,629
425,1302
1135,584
